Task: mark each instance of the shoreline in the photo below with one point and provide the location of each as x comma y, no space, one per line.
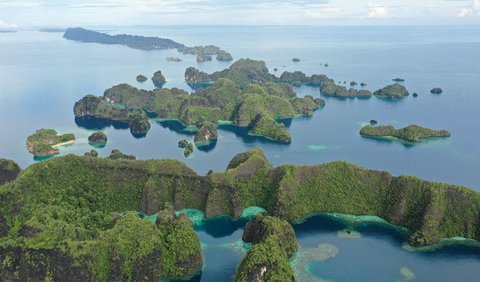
64,143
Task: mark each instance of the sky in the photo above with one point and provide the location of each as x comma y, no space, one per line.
24,14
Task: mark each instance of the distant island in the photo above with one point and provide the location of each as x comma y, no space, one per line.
144,43
83,214
411,133
44,142
394,91
237,97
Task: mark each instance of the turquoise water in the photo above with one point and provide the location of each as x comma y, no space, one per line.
43,75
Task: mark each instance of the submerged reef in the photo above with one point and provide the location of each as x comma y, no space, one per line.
411,133
44,142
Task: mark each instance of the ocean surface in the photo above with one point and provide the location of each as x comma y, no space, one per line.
42,75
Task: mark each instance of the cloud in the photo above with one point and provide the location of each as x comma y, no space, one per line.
378,12
5,25
473,10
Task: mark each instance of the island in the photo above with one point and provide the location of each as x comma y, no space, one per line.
411,133
158,79
173,59
203,58
141,78
83,215
45,142
97,139
142,42
242,100
274,244
295,60
394,91
206,134
398,79
331,89
436,90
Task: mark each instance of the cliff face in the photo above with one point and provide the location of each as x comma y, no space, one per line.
70,200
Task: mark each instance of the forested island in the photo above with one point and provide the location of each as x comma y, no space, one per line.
240,96
77,217
44,142
144,43
411,133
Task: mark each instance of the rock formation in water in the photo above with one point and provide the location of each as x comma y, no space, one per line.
274,243
411,133
158,79
436,91
394,91
97,139
141,78
44,142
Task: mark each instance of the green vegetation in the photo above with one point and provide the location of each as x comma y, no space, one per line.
9,171
188,150
205,53
43,142
411,133
274,243
182,143
98,139
68,207
257,106
141,78
394,91
206,134
158,79
329,88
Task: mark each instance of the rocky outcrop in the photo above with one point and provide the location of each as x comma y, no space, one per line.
117,155
97,139
138,122
141,78
331,89
436,91
411,133
394,91
274,243
206,134
158,79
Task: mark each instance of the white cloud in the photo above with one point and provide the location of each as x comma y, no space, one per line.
378,12
473,10
5,25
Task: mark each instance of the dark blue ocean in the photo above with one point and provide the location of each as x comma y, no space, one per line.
42,75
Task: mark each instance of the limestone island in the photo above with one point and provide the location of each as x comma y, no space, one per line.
97,139
142,42
173,59
205,53
394,91
141,78
203,58
158,79
81,217
44,142
295,60
411,133
206,134
240,98
436,91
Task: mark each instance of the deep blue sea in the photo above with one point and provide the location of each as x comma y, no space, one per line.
42,75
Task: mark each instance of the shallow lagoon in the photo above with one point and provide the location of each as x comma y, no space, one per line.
42,76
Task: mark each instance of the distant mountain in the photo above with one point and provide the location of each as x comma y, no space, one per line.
146,43
132,41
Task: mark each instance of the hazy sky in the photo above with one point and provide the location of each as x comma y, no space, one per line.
18,14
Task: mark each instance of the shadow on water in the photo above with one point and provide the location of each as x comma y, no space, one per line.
221,226
242,133
93,123
175,126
